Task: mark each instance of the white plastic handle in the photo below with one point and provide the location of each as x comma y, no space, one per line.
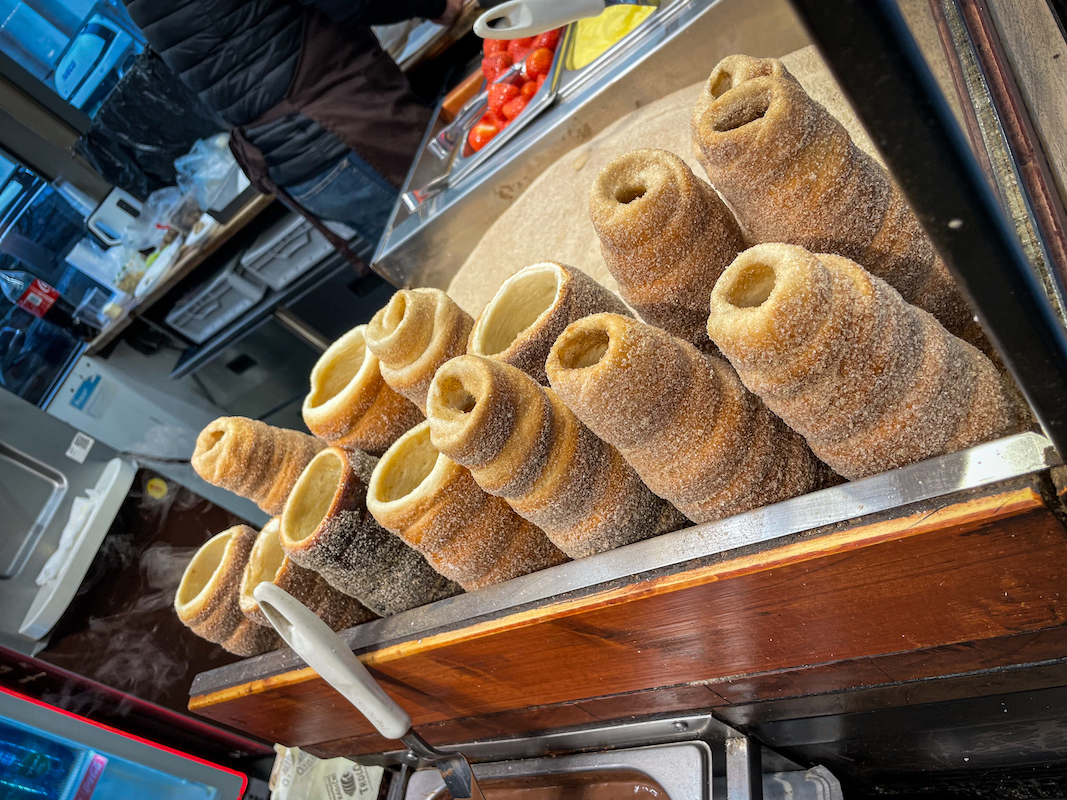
328,655
516,19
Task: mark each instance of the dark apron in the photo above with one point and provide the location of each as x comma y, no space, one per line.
346,83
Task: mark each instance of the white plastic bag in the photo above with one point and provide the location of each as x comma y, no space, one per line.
206,169
147,231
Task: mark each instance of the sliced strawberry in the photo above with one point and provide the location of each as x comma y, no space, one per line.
515,107
529,89
549,39
491,47
495,65
538,63
518,48
481,135
499,94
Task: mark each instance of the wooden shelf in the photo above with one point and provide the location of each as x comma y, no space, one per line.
188,259
969,581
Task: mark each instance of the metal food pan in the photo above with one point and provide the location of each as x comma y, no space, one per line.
467,160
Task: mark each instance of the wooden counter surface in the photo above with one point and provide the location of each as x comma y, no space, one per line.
966,583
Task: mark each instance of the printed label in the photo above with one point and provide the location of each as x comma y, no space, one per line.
85,391
91,777
80,447
38,298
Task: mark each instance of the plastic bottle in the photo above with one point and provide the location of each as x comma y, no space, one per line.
42,300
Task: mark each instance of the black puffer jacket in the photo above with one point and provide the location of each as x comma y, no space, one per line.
240,56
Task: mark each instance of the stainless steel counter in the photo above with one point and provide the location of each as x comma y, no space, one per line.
41,442
681,44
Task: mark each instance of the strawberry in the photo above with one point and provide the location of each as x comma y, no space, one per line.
518,48
549,39
495,65
538,63
541,81
490,47
514,107
481,135
529,89
499,94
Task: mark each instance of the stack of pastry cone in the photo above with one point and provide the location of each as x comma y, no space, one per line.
531,308
326,527
665,236
871,382
521,443
268,563
253,459
350,404
417,332
207,600
682,419
792,174
435,505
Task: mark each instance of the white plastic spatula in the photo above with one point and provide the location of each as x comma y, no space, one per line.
518,18
326,653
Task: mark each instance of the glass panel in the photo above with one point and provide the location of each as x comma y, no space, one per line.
77,49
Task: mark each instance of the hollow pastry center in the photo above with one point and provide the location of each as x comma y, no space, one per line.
394,313
407,465
583,348
456,399
202,568
751,286
522,299
736,112
212,439
266,559
339,368
628,192
312,496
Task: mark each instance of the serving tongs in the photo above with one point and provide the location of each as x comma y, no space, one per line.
516,19
446,141
328,655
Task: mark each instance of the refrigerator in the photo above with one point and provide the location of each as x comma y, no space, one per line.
48,754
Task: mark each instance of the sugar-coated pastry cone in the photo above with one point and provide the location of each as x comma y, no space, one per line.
350,404
416,332
681,418
326,527
254,460
871,382
792,174
435,505
521,442
665,236
207,600
531,308
268,563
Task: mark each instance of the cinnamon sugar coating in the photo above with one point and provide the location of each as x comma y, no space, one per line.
531,308
792,174
350,404
665,236
269,563
207,600
682,419
435,505
521,442
871,382
326,528
414,334
254,460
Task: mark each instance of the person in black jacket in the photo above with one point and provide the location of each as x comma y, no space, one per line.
319,115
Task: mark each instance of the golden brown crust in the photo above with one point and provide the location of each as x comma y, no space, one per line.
350,404
792,174
253,459
531,308
682,419
207,600
416,332
522,443
268,562
326,528
871,382
665,236
435,505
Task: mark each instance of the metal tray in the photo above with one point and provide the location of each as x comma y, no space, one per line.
30,493
466,160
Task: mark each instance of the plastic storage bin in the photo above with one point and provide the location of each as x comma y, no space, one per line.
214,305
284,251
